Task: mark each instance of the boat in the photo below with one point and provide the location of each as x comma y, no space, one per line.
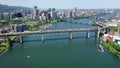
100,48
28,56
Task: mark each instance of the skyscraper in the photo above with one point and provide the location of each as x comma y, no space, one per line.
74,12
48,16
49,10
53,13
0,15
35,12
69,14
53,9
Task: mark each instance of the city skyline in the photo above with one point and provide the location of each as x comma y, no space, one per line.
67,4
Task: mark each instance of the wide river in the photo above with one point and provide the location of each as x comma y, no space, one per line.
59,52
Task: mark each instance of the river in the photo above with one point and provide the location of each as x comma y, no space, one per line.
59,52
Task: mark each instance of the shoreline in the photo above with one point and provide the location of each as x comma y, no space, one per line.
111,49
7,46
4,52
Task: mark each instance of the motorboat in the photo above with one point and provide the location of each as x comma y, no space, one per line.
100,48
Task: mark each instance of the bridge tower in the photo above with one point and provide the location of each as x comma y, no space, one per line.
88,34
21,38
70,36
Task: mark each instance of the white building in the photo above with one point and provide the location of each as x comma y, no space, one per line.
115,38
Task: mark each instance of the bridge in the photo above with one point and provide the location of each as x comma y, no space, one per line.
42,32
78,21
100,24
103,27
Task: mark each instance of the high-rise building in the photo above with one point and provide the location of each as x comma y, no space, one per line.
48,16
35,12
61,14
74,12
0,15
53,9
11,16
43,15
23,13
69,14
49,10
53,13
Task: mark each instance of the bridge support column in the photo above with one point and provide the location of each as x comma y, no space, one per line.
108,29
88,34
21,39
104,30
42,38
70,36
97,33
6,37
118,29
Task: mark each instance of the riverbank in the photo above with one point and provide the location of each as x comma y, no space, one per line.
5,46
111,45
14,38
3,52
113,48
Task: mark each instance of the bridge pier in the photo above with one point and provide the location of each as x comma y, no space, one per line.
21,39
70,36
104,30
42,38
118,29
5,38
97,34
88,34
108,29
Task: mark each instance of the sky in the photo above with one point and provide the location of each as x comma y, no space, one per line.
64,4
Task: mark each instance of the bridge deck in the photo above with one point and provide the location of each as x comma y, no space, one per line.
50,31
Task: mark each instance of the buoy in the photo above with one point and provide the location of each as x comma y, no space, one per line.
28,56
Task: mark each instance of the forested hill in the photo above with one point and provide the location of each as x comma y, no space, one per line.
6,8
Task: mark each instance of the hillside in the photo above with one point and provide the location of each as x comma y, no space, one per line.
4,8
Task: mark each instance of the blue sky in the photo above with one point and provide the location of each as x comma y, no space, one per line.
64,4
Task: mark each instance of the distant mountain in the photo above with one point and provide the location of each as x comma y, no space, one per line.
6,8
